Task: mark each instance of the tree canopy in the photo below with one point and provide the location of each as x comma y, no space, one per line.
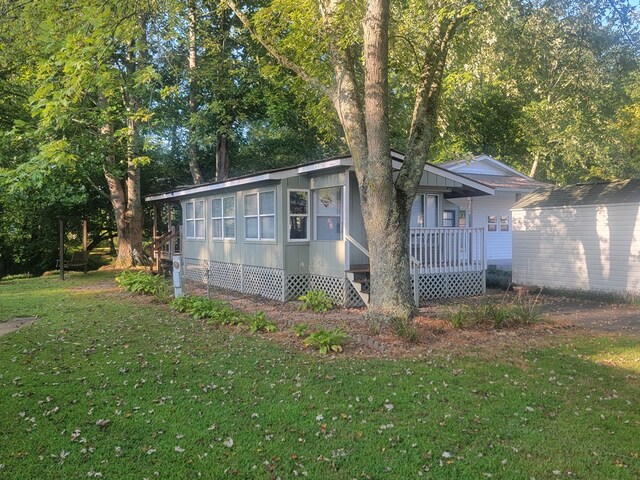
100,102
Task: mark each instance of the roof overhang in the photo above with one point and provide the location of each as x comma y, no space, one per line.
464,187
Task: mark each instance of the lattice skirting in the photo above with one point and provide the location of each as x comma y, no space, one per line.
339,290
266,282
296,285
226,275
196,270
263,281
451,285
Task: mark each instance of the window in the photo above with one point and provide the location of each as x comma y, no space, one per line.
448,218
498,223
298,215
492,223
424,211
194,219
223,217
504,223
328,213
260,216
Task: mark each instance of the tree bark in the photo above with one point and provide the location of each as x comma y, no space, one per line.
222,157
386,203
194,165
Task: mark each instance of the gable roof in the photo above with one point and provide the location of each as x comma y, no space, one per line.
597,193
493,173
344,161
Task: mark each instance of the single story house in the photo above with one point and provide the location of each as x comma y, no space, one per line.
282,232
491,212
579,237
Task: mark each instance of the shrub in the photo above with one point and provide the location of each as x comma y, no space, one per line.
326,341
300,330
142,282
258,322
316,300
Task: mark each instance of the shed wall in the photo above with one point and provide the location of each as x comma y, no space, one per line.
587,247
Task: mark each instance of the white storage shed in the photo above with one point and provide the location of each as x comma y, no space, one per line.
579,237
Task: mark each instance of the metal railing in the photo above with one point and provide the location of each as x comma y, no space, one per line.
447,250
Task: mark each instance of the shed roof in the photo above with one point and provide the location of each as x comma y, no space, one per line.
597,193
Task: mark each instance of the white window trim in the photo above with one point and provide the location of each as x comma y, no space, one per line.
259,215
194,220
316,215
223,218
307,215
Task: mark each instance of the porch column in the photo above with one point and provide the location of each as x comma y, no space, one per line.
155,264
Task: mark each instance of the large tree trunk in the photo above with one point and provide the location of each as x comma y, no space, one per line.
364,115
222,157
194,166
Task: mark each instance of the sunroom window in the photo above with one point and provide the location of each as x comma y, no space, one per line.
260,216
328,213
194,219
298,215
223,217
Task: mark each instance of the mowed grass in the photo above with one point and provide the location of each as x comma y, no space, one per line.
107,385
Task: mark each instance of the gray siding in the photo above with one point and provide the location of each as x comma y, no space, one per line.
267,253
584,247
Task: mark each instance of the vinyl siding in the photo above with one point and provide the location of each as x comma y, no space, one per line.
498,243
267,253
585,247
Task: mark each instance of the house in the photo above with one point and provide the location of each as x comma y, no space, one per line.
489,212
283,232
579,237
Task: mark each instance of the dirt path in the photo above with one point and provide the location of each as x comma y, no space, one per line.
15,324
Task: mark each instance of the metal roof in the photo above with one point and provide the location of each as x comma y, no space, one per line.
597,193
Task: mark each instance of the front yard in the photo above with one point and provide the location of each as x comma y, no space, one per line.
111,385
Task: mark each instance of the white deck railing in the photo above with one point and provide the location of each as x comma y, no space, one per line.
447,250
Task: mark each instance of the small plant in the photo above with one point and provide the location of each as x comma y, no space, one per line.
142,282
300,329
200,307
526,311
258,322
405,329
326,341
316,300
458,317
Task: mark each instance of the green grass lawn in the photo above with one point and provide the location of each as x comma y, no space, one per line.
109,385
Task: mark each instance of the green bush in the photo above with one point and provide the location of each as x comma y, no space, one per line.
326,341
258,322
143,282
316,300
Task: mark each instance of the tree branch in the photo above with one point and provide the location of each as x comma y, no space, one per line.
425,107
97,188
279,57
